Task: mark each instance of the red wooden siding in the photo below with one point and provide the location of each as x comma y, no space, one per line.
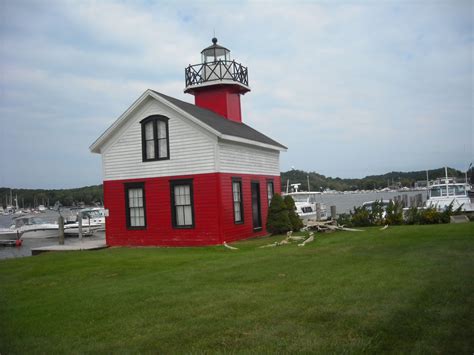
221,99
213,211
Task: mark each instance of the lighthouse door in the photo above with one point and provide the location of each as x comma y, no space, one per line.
256,216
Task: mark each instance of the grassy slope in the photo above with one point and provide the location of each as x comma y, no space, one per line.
403,289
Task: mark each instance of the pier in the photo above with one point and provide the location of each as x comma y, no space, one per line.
72,245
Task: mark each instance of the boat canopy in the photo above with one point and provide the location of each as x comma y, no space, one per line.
448,190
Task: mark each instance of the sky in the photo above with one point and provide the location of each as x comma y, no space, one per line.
352,88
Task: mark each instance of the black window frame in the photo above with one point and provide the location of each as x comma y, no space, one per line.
134,185
239,181
269,198
173,184
155,119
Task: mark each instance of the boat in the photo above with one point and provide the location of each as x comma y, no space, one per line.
306,205
34,227
8,234
447,191
93,220
96,215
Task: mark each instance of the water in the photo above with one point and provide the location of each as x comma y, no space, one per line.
28,244
345,202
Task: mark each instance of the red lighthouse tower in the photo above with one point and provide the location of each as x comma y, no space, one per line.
217,82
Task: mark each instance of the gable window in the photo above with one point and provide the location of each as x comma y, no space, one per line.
182,203
237,199
155,138
270,191
135,205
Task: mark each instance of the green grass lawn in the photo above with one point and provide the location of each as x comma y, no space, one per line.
405,289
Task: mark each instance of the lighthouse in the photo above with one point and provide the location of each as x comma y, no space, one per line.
182,174
218,82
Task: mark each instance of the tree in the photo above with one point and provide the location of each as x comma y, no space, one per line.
278,221
295,220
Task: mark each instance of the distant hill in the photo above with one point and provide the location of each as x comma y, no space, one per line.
320,182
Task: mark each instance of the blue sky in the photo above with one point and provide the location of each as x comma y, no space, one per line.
352,88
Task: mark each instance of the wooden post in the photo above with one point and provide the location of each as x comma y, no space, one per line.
333,212
61,230
318,211
79,220
405,200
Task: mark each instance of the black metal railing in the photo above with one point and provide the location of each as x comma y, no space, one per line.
218,70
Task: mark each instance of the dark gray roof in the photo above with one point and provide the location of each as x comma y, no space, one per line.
220,123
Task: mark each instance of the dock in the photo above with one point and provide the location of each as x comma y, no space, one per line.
75,245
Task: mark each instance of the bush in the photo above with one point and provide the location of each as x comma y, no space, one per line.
278,221
360,217
394,213
295,220
344,219
412,216
376,213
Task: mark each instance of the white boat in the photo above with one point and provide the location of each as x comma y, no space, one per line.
446,191
34,227
306,205
8,234
93,219
96,215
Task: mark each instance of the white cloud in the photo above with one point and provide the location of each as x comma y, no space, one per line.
368,87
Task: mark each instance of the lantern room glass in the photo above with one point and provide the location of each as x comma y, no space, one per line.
215,53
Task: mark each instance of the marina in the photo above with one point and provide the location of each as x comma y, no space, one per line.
33,243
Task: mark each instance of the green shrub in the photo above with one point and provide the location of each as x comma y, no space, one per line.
412,216
394,213
278,221
360,217
376,213
295,220
344,219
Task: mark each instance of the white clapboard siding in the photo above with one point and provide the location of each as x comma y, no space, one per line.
192,150
239,158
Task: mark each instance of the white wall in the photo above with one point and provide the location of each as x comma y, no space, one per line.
192,150
239,158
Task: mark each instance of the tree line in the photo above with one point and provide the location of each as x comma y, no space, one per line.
32,198
395,179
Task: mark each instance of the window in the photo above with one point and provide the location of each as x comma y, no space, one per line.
155,138
237,198
135,205
270,191
182,208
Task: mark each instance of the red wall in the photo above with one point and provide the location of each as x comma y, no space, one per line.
221,99
213,211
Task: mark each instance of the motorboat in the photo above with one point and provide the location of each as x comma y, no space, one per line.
94,215
93,219
306,205
33,227
8,234
447,191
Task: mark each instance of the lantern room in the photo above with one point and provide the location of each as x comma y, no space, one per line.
215,53
217,82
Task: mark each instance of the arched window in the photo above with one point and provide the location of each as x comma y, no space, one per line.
155,138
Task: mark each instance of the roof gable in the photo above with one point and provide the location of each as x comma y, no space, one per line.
219,125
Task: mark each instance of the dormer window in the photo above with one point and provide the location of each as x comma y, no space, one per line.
155,138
